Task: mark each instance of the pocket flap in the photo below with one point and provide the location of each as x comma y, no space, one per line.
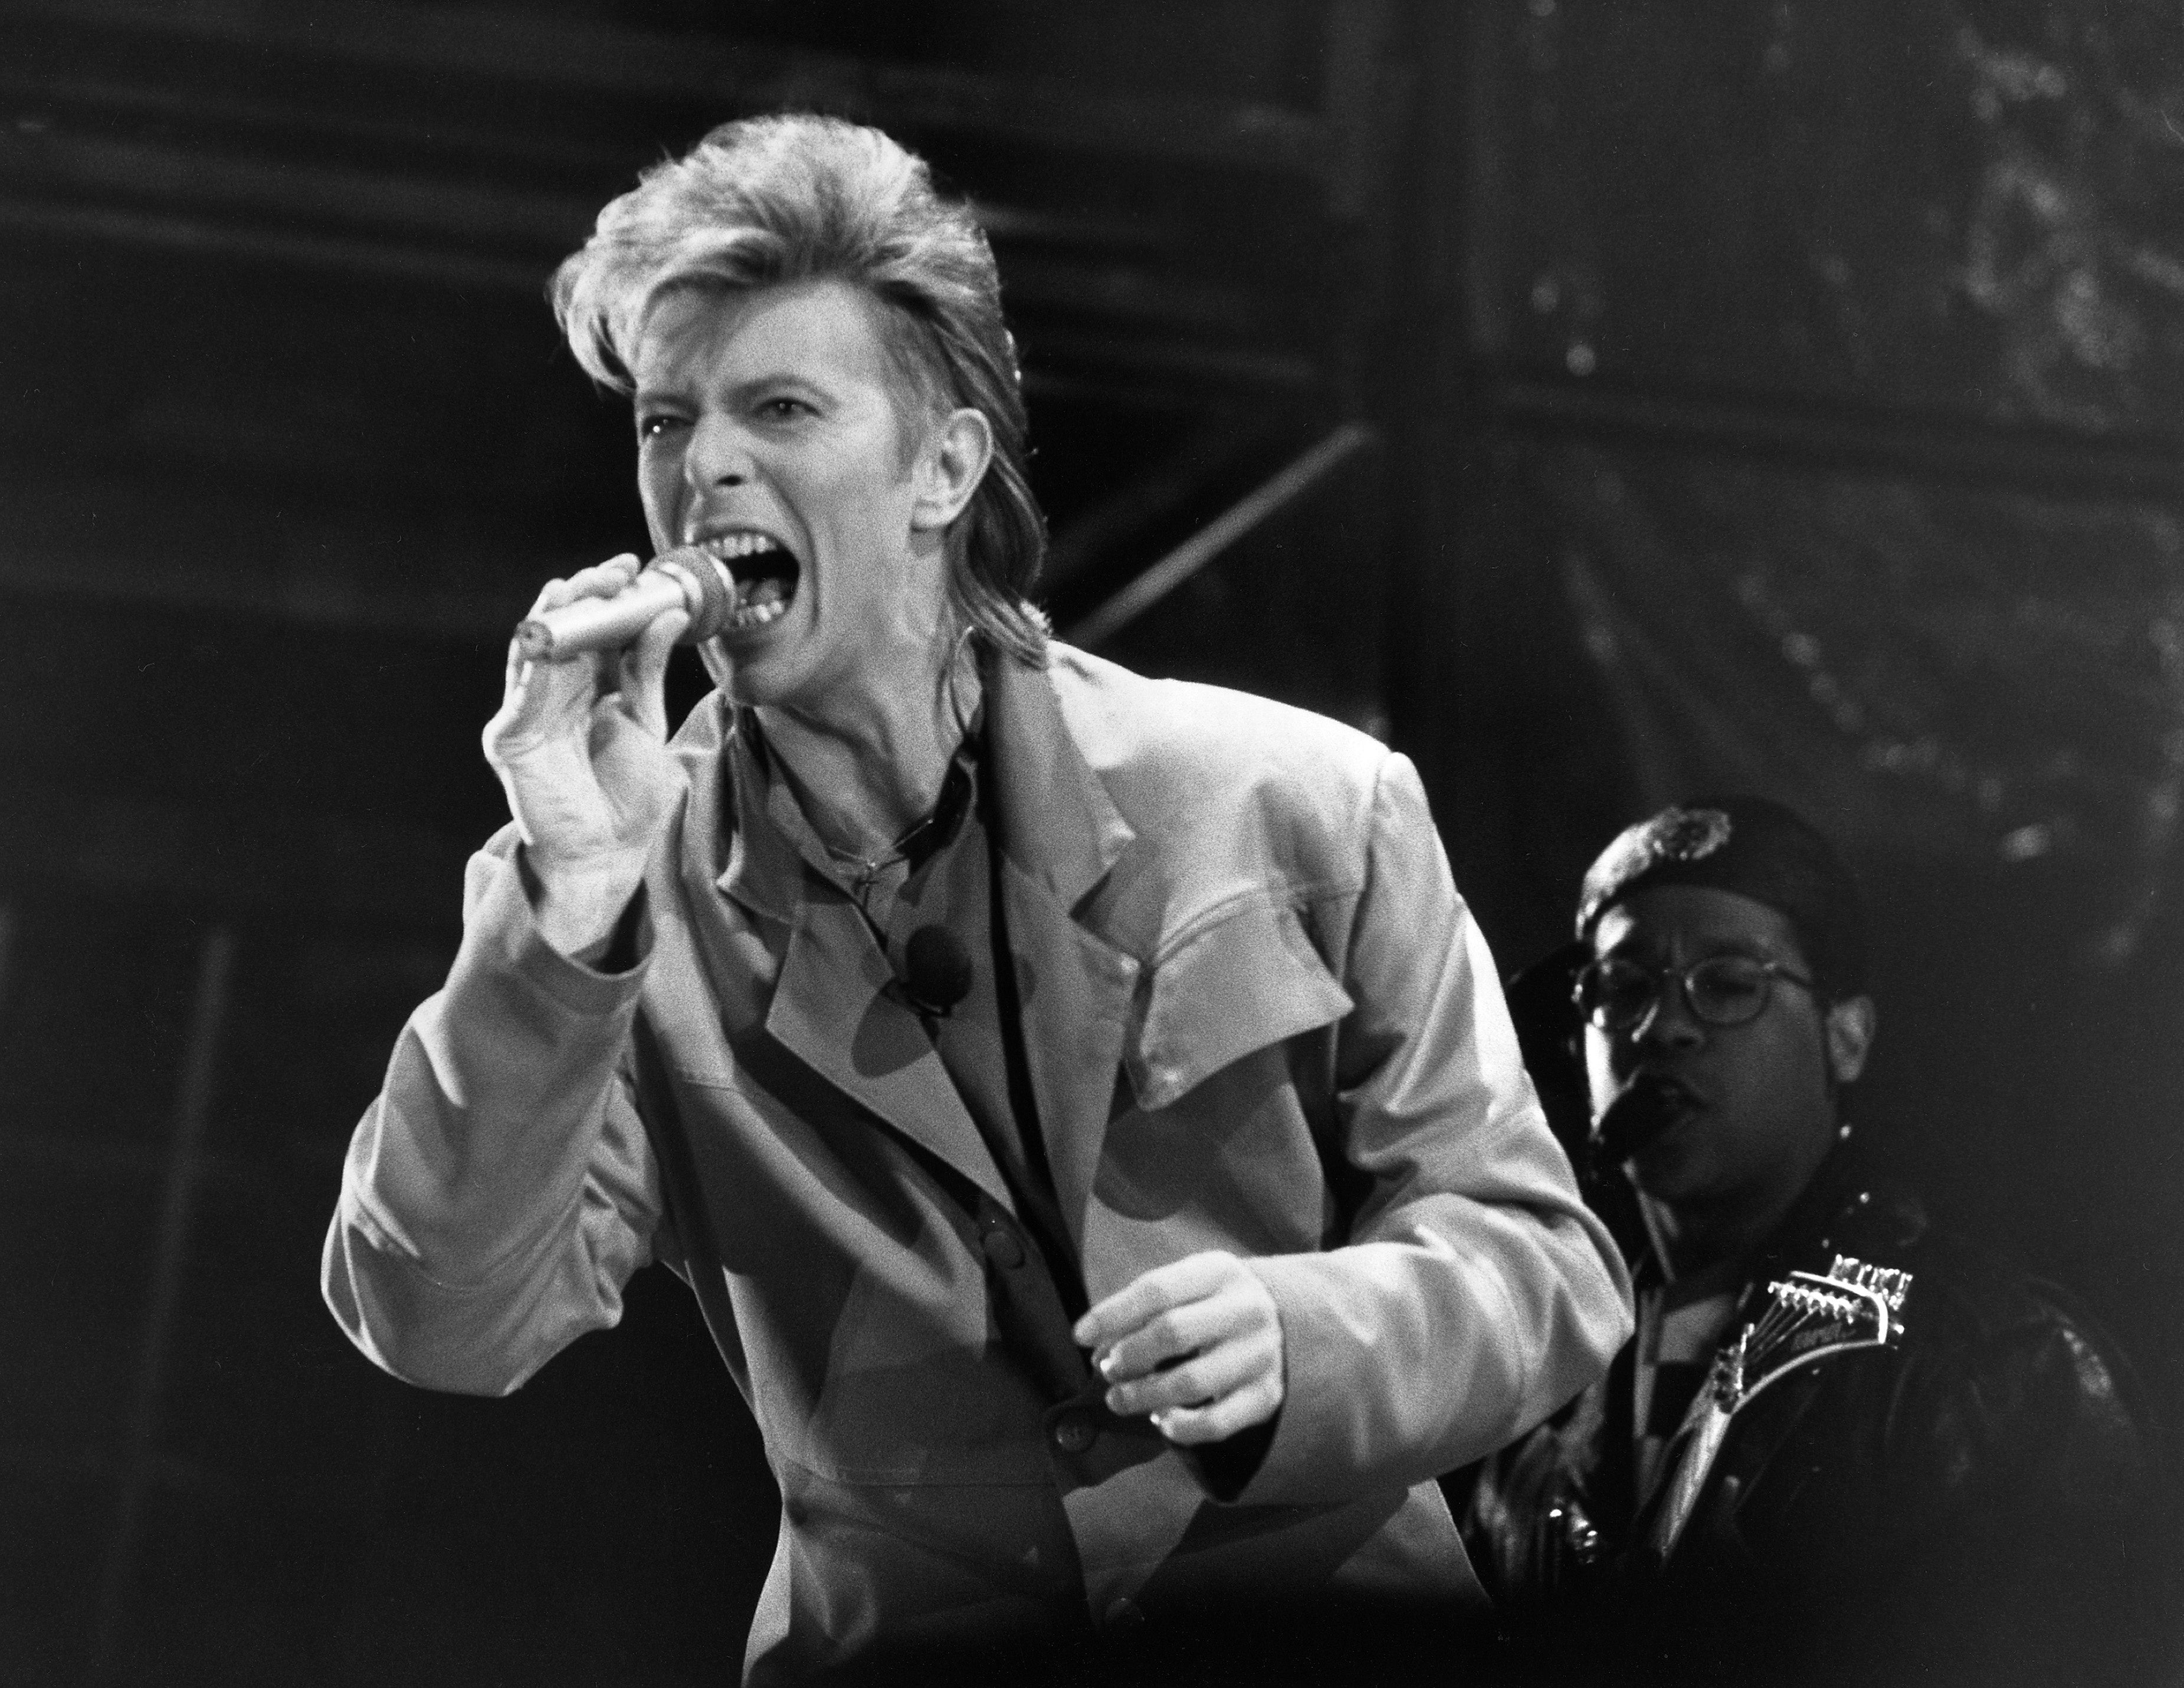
1245,980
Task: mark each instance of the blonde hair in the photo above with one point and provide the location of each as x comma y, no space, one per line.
768,200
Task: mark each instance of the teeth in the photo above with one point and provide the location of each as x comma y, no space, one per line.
729,546
758,614
757,602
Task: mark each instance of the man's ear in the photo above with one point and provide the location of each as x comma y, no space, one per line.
950,465
1850,1028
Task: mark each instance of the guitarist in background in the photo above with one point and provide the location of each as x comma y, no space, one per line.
1907,1464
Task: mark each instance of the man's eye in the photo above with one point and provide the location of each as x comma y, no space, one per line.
654,425
784,410
1729,984
1616,988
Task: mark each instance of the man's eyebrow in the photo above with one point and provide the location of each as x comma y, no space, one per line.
1752,948
778,377
1705,944
742,387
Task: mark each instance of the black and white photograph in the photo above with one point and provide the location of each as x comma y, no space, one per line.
1137,843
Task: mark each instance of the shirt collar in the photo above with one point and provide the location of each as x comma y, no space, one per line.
763,796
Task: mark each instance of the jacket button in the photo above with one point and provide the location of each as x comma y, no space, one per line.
1002,1247
1073,1433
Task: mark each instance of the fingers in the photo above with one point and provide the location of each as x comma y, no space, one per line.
538,697
1189,1279
579,747
542,701
601,580
1192,1353
644,672
1166,1340
1235,1356
1197,1346
1217,1420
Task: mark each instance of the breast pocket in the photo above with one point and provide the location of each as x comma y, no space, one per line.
1247,980
1219,1146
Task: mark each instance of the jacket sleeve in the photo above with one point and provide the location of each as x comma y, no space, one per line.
499,1190
1476,1292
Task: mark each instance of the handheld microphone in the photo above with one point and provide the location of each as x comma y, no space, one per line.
1646,1108
687,577
936,973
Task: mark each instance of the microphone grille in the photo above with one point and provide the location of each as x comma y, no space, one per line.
717,591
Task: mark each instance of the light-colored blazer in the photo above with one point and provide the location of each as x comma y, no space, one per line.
1258,1017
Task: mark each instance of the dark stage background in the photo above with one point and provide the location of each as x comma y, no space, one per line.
1601,400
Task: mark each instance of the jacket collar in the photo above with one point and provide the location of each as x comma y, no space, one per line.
1833,1214
763,870
725,811
1059,836
1846,1208
1058,826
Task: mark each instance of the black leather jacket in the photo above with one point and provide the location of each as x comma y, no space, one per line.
1973,1504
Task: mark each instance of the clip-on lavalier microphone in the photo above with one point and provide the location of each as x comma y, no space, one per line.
936,973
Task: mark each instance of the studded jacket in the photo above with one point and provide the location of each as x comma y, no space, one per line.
1969,1504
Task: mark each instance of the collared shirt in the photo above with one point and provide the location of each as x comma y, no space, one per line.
1680,1325
946,879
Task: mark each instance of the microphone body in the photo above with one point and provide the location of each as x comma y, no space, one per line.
1634,1119
685,578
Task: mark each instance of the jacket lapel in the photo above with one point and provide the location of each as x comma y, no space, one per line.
830,1007
1059,834
831,1010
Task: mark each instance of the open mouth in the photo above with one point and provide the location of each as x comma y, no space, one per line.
1644,1108
765,573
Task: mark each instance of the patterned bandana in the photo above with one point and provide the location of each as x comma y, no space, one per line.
1756,849
1676,834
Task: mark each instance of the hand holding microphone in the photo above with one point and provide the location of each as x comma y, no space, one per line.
580,745
687,578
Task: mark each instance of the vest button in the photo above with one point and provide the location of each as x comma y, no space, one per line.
1002,1247
1073,1433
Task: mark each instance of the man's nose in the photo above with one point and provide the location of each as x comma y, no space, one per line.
719,454
1669,1021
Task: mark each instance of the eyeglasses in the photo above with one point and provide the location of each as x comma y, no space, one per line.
1615,994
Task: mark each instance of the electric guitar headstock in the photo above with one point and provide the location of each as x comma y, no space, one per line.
1809,1315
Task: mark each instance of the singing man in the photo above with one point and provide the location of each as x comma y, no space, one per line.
1082,1105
